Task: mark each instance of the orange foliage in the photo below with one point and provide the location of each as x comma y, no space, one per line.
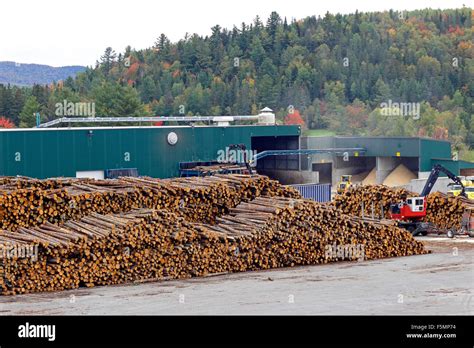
176,73
357,116
421,26
132,70
440,133
422,132
6,123
294,118
456,30
465,45
423,29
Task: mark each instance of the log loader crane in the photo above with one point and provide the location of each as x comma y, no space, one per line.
410,212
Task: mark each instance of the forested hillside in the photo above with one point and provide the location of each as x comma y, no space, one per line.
30,74
333,72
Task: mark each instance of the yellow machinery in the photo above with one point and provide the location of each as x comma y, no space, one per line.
470,192
455,189
344,184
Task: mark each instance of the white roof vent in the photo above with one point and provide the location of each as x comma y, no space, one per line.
266,116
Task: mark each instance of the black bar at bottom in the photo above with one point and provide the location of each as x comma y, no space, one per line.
242,330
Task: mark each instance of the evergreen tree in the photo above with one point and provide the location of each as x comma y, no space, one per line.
28,113
114,100
107,60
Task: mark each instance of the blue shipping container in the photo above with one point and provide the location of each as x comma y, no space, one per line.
316,192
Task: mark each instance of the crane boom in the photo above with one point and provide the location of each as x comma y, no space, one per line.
434,175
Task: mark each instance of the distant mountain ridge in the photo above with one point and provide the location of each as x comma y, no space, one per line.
30,74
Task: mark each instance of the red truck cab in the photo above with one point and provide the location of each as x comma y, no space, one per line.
414,208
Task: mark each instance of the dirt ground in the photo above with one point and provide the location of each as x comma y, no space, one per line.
438,283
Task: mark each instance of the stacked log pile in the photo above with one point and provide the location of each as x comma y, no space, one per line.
218,169
23,182
26,203
445,211
370,200
374,201
143,244
299,232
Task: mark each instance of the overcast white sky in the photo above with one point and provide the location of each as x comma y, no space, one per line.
76,32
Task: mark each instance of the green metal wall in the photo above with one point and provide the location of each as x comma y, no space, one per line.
376,146
454,166
382,146
433,149
425,149
466,165
61,152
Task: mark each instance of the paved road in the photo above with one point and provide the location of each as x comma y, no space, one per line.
438,283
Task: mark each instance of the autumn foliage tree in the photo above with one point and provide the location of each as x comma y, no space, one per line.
294,118
6,123
356,115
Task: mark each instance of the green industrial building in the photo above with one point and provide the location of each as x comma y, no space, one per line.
153,151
